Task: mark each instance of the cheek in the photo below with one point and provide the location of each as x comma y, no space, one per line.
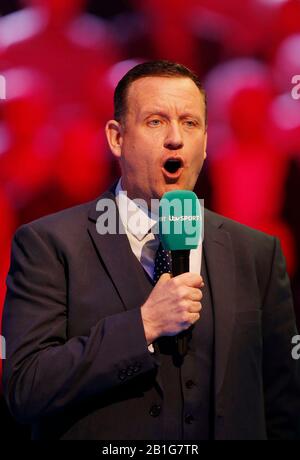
146,152
198,153
136,160
150,140
138,143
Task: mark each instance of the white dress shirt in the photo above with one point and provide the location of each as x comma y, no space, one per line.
138,223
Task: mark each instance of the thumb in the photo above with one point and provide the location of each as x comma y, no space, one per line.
164,277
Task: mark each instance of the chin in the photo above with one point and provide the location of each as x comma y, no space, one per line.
177,186
171,186
168,187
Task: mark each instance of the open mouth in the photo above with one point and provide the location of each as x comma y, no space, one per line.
173,167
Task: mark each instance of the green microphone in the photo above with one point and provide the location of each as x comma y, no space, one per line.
180,229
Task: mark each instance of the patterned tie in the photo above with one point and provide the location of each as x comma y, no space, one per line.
162,264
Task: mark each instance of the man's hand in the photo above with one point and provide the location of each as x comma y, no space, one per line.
173,305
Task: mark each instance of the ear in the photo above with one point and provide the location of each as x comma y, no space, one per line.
114,135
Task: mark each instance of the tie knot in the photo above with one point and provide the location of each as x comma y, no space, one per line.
162,264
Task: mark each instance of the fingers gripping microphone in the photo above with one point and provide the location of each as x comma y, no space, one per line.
180,230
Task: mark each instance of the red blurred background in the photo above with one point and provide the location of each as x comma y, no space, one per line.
61,61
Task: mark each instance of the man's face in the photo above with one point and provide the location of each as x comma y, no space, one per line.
162,142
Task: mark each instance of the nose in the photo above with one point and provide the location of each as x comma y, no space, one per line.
173,139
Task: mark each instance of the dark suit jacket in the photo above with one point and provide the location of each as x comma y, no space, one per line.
78,365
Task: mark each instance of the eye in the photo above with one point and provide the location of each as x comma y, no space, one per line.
154,122
190,123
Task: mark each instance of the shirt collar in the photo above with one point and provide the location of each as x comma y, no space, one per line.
135,217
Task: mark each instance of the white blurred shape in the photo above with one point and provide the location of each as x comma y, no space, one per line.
285,112
21,25
21,81
225,80
2,87
117,71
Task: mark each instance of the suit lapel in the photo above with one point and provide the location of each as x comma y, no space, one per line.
221,273
115,252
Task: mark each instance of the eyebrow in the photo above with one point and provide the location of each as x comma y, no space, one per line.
163,114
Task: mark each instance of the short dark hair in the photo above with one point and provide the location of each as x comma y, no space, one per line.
159,68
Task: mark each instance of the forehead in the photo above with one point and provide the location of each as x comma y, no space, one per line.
164,92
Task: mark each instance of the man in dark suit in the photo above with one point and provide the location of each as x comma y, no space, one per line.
90,334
